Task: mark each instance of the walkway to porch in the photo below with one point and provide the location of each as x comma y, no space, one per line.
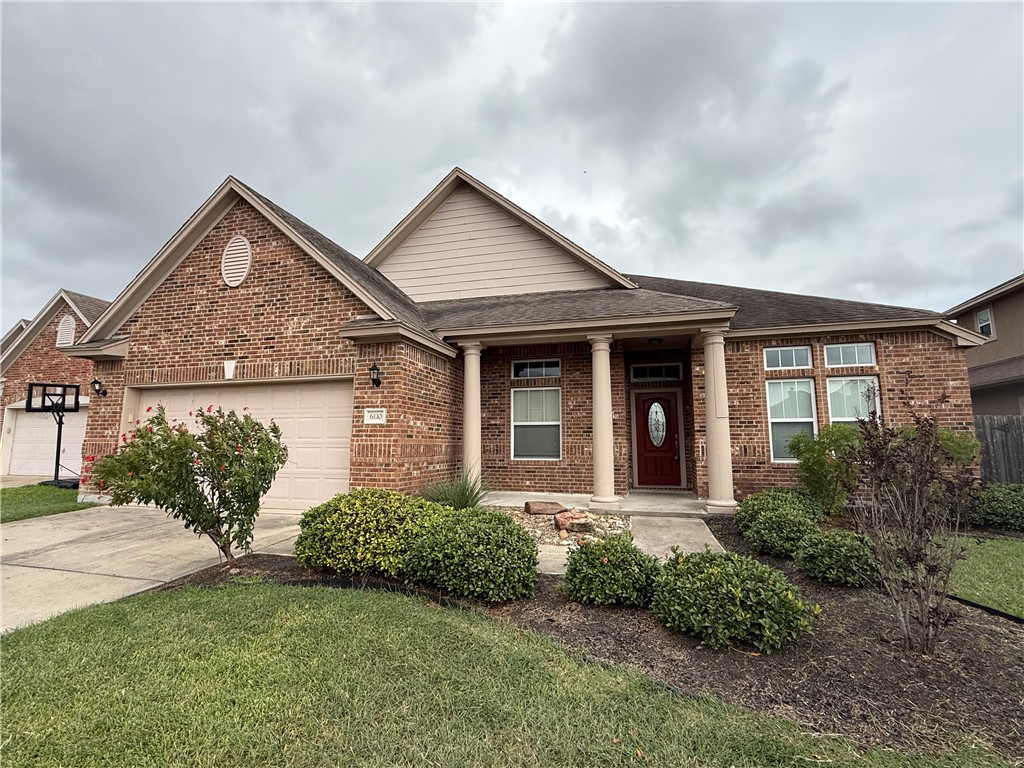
636,503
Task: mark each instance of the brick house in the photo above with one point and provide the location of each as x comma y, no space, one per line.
32,352
498,346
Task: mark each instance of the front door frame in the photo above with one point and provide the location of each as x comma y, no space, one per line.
678,391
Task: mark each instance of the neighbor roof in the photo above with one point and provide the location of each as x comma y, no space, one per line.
773,309
1002,289
998,372
88,308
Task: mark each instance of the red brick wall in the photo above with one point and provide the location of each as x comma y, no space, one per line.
282,323
574,472
422,440
937,368
42,361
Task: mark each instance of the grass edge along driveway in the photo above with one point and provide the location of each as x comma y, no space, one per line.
265,674
27,501
992,574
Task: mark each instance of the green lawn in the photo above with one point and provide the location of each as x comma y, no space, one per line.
992,574
37,501
272,675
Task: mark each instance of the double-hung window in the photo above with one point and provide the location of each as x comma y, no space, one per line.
852,398
537,423
983,320
790,412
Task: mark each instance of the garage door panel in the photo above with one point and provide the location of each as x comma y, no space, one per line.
316,426
34,443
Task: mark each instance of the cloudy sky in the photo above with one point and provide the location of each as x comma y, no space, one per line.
865,151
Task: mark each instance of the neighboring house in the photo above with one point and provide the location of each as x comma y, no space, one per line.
502,348
32,352
996,368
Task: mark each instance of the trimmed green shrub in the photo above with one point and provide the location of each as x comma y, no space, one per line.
826,469
776,498
611,571
837,557
363,532
478,553
460,492
725,598
999,506
779,531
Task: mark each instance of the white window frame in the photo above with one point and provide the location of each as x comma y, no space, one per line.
677,366
513,424
542,360
991,322
874,355
810,359
828,395
768,411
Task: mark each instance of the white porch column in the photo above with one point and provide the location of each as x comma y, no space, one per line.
471,459
604,455
719,443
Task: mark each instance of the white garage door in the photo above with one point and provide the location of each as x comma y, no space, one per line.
316,426
34,445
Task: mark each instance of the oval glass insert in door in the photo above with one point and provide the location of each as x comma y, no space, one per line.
656,424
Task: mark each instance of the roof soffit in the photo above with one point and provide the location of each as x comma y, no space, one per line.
437,196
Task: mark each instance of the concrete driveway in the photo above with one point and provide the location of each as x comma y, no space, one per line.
50,565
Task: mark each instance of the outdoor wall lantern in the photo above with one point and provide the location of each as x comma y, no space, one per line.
375,375
97,387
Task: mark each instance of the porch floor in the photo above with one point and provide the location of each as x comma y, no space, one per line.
636,503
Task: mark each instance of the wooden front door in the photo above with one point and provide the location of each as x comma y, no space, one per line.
658,460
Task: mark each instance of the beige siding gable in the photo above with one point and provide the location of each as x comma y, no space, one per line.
470,247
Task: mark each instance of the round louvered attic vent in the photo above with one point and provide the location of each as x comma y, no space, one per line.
236,261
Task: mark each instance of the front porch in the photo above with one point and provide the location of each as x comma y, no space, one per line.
636,503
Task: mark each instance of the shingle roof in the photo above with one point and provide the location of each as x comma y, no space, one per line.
772,309
998,372
560,306
396,301
90,307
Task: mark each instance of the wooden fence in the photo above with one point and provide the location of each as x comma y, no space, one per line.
1002,448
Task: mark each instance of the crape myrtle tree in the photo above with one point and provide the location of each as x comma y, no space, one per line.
212,478
917,481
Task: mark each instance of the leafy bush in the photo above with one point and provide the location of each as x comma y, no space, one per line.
825,468
773,499
779,531
213,479
999,506
837,557
723,598
611,571
478,553
363,532
464,491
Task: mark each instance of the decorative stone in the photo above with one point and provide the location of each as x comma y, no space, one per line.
580,525
543,508
562,520
563,535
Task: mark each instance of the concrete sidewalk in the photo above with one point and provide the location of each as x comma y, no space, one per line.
52,564
654,535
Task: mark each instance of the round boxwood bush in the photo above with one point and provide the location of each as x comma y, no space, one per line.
999,506
478,553
837,557
611,571
724,598
363,532
779,531
754,505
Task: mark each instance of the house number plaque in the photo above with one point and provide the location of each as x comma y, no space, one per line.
375,416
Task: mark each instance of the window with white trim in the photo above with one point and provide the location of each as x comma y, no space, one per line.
852,397
790,412
781,358
983,322
536,369
66,331
656,372
537,423
838,355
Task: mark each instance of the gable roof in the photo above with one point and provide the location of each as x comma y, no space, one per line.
447,185
1013,284
371,288
13,333
88,308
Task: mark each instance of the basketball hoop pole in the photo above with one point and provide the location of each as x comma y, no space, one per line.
58,416
53,398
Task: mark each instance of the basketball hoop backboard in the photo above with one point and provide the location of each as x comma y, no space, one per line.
52,398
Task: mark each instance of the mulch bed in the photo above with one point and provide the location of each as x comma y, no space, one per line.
849,676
